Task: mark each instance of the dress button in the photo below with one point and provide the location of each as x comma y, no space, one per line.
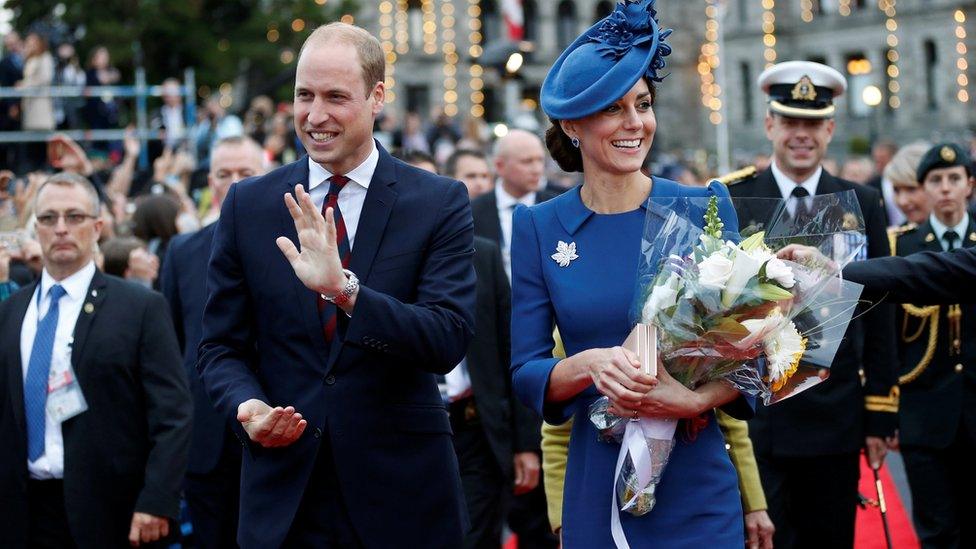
317,433
958,368
330,380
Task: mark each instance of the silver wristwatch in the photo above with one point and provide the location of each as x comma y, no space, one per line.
349,290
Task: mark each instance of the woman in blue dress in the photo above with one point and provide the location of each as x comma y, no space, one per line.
574,266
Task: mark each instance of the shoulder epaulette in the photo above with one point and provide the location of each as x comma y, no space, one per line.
894,233
738,176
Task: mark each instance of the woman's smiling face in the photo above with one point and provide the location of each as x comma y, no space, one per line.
617,139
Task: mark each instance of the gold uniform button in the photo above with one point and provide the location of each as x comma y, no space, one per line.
958,368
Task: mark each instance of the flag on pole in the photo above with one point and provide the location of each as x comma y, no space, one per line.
514,19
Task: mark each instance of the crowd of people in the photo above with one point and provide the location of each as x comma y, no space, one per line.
350,347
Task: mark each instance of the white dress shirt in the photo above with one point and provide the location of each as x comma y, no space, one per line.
51,464
506,208
351,197
940,228
786,186
457,382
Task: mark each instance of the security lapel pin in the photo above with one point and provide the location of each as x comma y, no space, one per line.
89,308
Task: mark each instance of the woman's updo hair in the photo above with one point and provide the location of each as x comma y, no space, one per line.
561,148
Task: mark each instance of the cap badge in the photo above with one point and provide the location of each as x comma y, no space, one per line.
804,90
947,154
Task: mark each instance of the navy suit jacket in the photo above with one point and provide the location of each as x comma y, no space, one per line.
184,283
370,397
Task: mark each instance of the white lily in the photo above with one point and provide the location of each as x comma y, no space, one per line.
662,297
759,328
745,267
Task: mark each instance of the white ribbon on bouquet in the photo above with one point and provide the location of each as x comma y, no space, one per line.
635,443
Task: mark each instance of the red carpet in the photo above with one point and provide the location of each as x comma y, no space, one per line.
869,532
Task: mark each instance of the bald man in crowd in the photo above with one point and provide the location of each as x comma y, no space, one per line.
212,483
520,161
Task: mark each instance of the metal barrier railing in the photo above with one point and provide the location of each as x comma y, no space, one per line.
140,91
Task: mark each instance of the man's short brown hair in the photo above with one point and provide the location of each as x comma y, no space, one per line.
372,62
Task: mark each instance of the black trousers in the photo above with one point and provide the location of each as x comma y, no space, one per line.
48,520
214,501
943,483
486,488
322,521
812,500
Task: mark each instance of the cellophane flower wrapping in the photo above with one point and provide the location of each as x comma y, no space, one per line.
726,308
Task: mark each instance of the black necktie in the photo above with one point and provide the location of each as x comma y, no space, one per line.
950,237
802,211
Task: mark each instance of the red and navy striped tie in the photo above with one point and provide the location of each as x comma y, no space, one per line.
327,310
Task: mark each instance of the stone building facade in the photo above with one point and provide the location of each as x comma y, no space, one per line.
837,33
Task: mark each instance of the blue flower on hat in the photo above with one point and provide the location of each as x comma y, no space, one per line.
632,24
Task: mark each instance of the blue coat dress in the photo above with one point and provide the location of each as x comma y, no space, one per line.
589,301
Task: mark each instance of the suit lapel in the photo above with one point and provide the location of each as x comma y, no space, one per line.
93,304
827,184
11,343
306,299
380,199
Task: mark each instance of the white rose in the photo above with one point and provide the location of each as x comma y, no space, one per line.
661,298
714,271
778,270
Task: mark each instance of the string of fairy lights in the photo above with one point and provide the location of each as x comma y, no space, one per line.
475,71
959,17
891,26
806,10
429,26
402,35
386,41
708,61
449,49
769,31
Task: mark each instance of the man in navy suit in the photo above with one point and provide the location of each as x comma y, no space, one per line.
325,358
212,483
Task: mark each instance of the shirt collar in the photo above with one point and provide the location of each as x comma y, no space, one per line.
75,285
506,201
940,228
361,174
786,185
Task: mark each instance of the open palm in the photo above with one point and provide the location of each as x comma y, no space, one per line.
317,265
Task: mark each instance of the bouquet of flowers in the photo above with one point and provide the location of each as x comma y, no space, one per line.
724,307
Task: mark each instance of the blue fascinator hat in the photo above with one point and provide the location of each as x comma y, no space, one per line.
602,65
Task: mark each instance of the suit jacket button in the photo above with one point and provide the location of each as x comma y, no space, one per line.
330,379
317,433
958,368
